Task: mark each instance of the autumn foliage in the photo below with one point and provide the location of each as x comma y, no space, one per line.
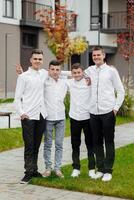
57,25
125,40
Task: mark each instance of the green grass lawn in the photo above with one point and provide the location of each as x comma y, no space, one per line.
122,184
123,120
11,138
9,100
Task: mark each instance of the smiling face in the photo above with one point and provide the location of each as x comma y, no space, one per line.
77,74
36,61
98,57
54,71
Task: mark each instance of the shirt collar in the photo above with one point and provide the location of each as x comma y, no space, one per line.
51,79
103,66
77,82
33,71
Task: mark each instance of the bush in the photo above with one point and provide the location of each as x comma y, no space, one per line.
129,99
67,105
126,106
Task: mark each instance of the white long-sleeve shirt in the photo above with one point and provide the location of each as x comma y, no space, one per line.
54,93
105,81
29,97
80,95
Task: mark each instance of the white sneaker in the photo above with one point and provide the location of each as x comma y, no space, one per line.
75,173
98,175
107,177
91,173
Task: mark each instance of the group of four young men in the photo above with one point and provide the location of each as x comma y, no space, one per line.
39,100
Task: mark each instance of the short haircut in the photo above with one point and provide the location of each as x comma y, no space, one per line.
36,51
55,63
97,48
77,66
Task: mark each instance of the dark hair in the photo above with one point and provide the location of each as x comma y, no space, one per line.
36,51
77,66
96,48
54,62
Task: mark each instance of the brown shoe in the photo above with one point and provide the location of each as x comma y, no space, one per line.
47,173
59,174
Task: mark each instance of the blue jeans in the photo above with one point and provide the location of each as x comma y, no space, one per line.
59,127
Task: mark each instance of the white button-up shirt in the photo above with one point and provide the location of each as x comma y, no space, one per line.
54,93
80,94
29,97
105,81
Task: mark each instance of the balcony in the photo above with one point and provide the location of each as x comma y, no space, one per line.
114,22
28,13
30,19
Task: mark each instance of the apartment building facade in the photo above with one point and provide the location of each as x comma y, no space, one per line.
98,21
20,32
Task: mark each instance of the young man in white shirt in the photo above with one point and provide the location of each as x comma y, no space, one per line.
104,104
54,92
80,94
29,103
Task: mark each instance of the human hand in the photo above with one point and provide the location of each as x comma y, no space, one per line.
88,81
115,112
24,116
19,69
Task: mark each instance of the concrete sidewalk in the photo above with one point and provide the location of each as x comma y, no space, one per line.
11,170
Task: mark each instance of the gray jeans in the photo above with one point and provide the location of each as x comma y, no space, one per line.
58,127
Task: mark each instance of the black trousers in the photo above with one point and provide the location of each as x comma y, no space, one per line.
76,129
32,131
103,128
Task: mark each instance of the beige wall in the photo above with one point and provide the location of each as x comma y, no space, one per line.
48,56
122,65
13,56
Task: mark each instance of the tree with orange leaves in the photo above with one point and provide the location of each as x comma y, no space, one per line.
57,25
125,40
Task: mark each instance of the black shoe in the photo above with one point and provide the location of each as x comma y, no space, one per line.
26,179
37,174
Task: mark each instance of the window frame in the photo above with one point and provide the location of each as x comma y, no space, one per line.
27,43
8,13
99,16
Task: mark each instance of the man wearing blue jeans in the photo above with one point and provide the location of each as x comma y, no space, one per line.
54,92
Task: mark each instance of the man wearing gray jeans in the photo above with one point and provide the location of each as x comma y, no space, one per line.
54,92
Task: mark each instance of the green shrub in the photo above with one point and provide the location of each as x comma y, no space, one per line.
67,105
129,98
126,106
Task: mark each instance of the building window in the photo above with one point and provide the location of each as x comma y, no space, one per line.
96,14
29,40
8,8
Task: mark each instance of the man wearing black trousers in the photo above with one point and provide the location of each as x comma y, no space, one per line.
104,104
29,103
